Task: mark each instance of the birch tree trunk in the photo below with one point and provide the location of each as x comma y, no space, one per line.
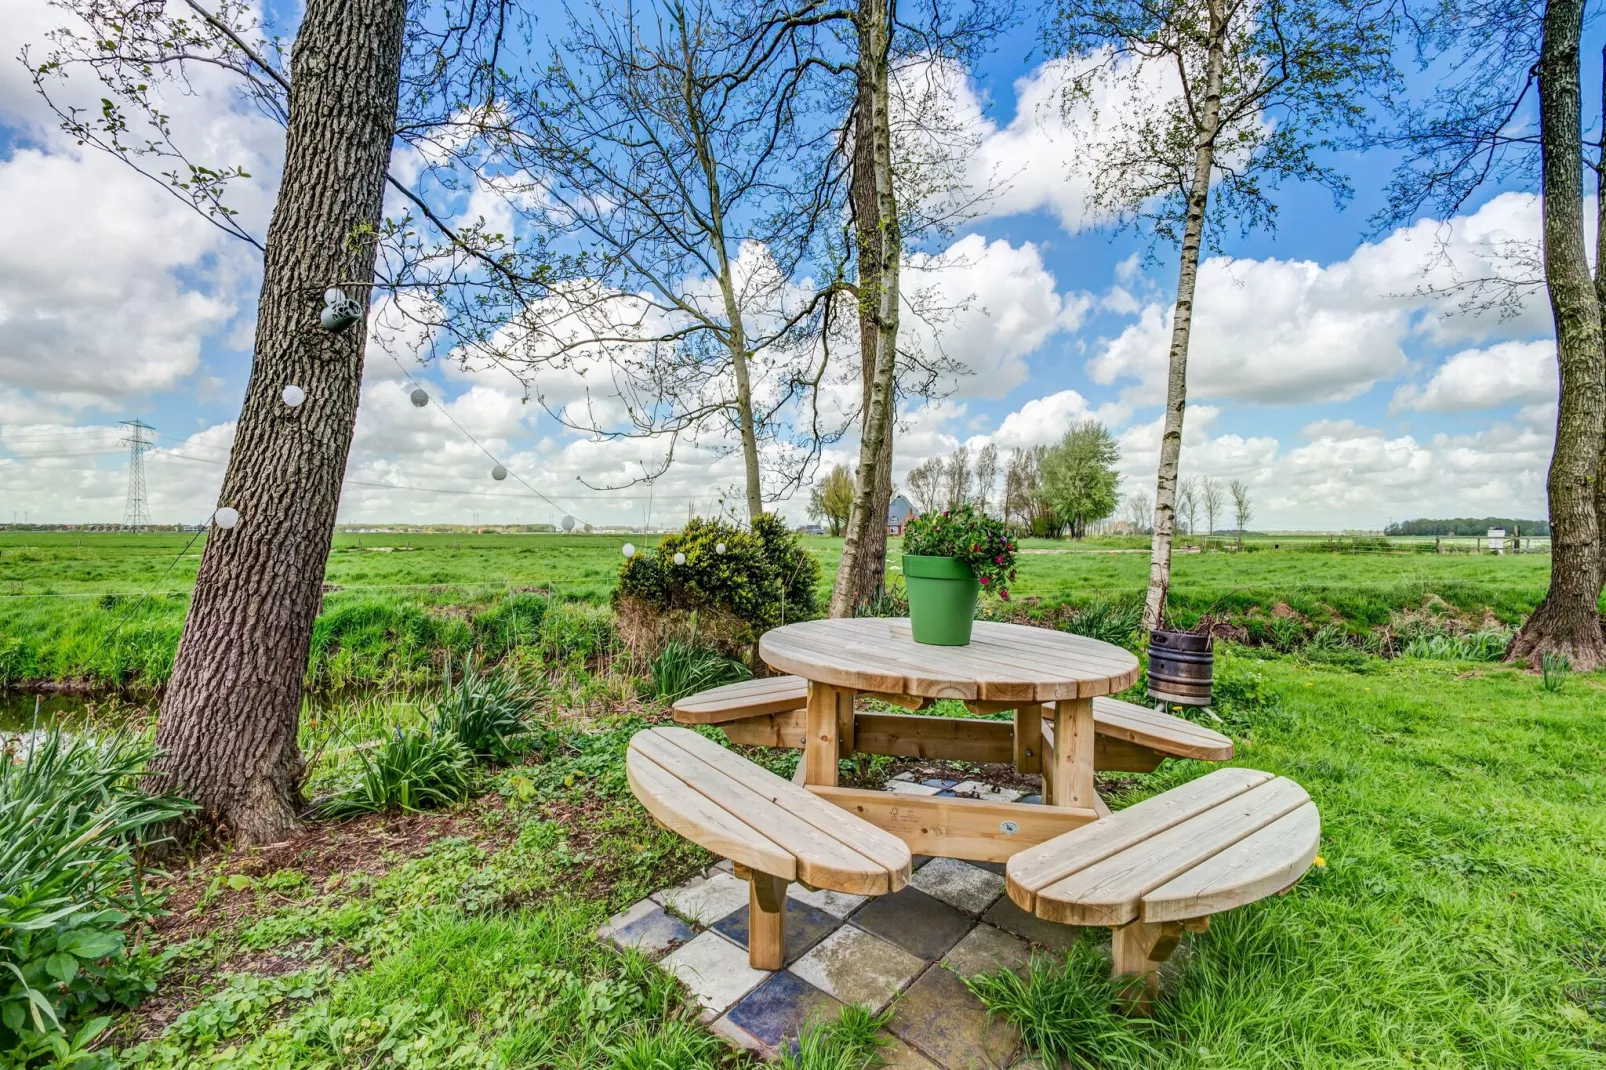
862,570
1176,390
1568,620
228,723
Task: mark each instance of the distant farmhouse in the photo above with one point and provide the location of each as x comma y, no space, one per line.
899,513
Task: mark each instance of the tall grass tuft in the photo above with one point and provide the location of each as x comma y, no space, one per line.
852,1041
681,669
1554,667
410,771
1108,622
71,819
483,713
1065,1012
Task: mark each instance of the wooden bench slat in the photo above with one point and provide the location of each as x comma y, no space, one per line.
1040,866
749,698
1160,731
1110,892
683,811
883,848
1264,862
821,860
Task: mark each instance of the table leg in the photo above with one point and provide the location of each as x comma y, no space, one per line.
1029,738
1073,753
766,921
823,724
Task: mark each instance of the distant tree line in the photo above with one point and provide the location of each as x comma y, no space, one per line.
1466,525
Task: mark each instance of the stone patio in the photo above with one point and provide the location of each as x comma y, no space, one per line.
907,950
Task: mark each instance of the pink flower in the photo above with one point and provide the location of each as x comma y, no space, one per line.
1003,594
999,560
984,581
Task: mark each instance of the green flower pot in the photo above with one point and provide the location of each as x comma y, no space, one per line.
942,599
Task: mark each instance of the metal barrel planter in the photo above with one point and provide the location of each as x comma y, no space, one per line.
1180,667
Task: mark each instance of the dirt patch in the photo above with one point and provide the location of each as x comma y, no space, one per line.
199,898
1284,611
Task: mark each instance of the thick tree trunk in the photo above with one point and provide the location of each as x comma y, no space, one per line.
862,570
1568,621
1176,389
227,728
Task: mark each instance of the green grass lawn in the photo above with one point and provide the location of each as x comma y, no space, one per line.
75,607
1459,919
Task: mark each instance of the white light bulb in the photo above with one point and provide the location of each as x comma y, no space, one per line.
226,517
630,550
719,547
680,559
293,395
332,296
420,399
499,473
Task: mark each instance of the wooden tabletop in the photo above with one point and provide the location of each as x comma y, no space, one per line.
1003,663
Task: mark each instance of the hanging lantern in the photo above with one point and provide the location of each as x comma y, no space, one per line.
719,547
568,523
630,550
293,396
419,398
499,473
226,517
680,559
339,311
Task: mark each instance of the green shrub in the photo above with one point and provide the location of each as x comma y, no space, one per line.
1109,622
763,577
1487,645
483,713
71,819
510,623
412,770
680,670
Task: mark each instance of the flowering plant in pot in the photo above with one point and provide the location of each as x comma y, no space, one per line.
949,558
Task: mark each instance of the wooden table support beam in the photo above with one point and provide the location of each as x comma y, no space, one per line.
823,722
766,921
1136,951
1072,771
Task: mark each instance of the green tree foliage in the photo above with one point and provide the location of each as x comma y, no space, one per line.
763,578
832,498
1078,476
1465,525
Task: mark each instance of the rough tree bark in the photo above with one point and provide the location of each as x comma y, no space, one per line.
1176,390
1568,621
862,571
227,727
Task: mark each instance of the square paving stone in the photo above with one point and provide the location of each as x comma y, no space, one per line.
1035,799
837,904
959,884
939,784
939,1016
985,949
993,867
915,922
648,928
776,1011
805,926
715,970
1011,918
905,787
896,1055
855,967
705,900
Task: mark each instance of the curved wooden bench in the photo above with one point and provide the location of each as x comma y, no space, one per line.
1166,864
769,827
769,712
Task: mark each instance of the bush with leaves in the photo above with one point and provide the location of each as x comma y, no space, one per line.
980,541
755,578
72,818
412,770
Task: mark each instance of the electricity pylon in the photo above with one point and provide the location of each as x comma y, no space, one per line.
137,513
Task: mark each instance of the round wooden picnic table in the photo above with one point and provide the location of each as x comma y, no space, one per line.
1033,671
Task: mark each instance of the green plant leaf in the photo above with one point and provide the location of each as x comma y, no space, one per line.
62,966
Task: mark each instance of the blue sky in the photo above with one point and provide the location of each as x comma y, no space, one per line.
1319,373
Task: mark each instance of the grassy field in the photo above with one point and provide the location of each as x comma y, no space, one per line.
1459,919
106,610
